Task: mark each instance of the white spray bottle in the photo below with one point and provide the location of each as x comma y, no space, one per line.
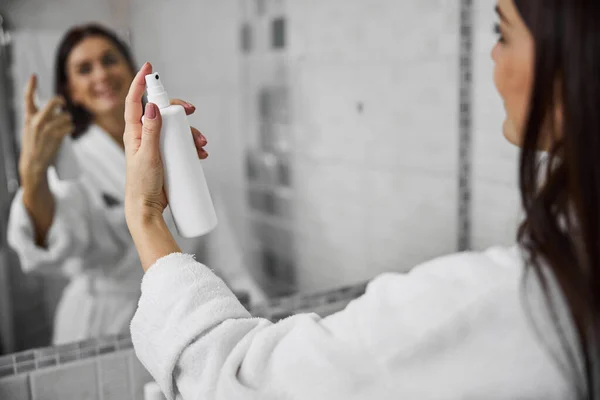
187,192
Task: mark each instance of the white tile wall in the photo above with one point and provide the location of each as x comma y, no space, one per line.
201,52
496,214
330,204
411,217
374,88
60,14
322,268
373,31
412,118
327,122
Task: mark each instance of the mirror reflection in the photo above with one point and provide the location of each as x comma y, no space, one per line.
336,148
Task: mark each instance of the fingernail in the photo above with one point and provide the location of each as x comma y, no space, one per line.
190,105
203,139
150,111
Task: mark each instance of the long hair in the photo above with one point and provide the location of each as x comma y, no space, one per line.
561,196
82,117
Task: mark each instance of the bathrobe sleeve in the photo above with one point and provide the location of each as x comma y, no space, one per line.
198,342
76,225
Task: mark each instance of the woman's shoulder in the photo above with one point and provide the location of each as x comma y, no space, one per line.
448,288
466,272
466,308
440,296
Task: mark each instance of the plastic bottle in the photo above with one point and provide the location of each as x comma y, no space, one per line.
186,188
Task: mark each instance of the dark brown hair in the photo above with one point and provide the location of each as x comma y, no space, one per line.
561,196
81,117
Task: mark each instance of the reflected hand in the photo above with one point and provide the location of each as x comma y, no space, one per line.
43,132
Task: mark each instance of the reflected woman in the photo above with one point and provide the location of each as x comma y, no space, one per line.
78,228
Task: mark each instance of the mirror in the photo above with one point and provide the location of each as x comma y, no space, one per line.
347,139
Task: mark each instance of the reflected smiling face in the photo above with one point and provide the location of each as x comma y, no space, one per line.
98,76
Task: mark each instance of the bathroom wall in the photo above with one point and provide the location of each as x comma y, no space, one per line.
372,130
375,114
93,370
375,111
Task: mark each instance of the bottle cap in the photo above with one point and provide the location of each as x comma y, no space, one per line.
156,91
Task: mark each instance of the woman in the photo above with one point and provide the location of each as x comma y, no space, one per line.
519,323
78,227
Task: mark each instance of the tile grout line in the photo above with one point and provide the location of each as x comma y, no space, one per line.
465,125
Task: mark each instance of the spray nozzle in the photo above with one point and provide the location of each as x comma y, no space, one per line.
156,91
153,81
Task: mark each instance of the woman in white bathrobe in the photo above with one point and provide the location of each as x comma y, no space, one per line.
78,227
519,323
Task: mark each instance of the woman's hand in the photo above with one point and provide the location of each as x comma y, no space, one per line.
145,198
145,190
199,138
43,132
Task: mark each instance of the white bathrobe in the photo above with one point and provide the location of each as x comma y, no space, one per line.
89,241
454,328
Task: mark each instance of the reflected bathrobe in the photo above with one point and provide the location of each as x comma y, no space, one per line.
89,242
464,326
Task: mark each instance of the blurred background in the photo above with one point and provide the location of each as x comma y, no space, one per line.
347,137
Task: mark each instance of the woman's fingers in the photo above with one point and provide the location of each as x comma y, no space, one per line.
151,129
188,107
200,141
58,132
133,108
30,106
199,137
60,126
49,111
59,120
202,154
133,101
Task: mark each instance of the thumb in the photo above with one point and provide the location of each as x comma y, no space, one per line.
151,128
